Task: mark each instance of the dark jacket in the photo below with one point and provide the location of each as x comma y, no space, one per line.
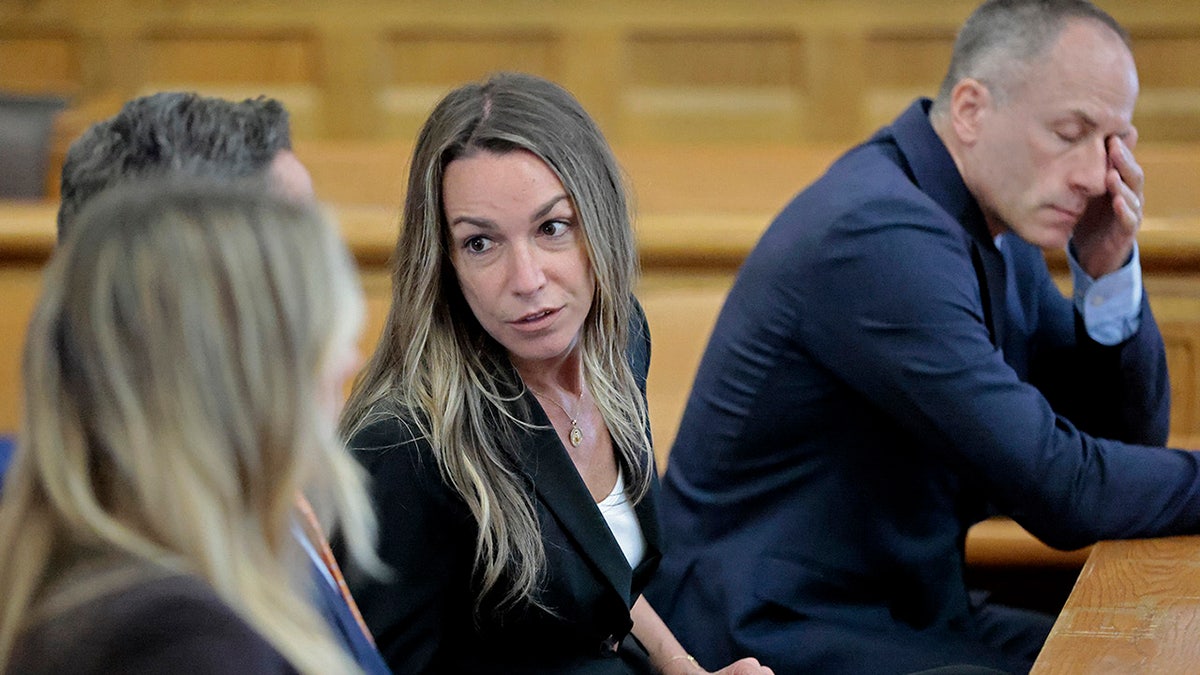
172,625
425,619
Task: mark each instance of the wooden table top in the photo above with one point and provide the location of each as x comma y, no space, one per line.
1135,609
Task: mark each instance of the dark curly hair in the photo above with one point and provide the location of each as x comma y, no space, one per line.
169,132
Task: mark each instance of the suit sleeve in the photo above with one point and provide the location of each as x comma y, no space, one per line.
894,310
426,539
1121,392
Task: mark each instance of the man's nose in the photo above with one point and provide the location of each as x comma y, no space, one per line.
1090,168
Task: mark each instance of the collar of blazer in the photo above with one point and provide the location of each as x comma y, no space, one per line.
561,488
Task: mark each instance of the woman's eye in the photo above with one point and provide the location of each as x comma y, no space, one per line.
553,228
477,244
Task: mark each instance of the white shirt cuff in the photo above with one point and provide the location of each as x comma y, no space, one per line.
1111,306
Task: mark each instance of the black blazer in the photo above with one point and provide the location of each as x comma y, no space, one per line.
167,624
425,618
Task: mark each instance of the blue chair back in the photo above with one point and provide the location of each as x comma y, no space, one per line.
7,445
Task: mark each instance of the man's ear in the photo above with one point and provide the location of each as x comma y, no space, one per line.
970,102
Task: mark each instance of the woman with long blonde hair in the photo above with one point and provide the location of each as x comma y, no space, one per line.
503,415
182,377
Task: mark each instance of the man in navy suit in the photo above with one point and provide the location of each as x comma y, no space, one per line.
894,363
213,138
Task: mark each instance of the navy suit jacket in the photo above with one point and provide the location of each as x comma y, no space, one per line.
332,606
7,446
425,620
880,378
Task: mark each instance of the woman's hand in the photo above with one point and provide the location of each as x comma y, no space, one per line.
746,666
684,664
669,657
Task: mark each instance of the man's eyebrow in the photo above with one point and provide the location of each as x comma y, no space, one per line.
1082,116
1087,120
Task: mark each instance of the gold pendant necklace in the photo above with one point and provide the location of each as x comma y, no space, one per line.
576,434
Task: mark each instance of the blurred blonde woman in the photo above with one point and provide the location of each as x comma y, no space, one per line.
182,374
503,416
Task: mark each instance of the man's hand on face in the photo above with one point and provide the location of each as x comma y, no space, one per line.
1105,234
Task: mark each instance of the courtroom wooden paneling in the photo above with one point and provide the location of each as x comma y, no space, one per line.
681,310
902,65
357,172
1169,105
709,180
664,178
784,71
40,60
237,63
422,66
20,283
707,85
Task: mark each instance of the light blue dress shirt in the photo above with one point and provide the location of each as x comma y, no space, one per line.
1111,306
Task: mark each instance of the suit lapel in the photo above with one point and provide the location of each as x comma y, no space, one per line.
931,167
993,287
560,487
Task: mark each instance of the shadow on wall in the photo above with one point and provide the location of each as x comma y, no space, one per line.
26,130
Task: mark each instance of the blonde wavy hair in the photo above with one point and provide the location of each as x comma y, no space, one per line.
435,365
172,412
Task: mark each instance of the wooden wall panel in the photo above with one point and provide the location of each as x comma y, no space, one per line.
20,283
1169,105
221,57
681,310
236,64
424,66
1182,343
900,67
780,71
1172,177
1175,298
40,62
745,86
